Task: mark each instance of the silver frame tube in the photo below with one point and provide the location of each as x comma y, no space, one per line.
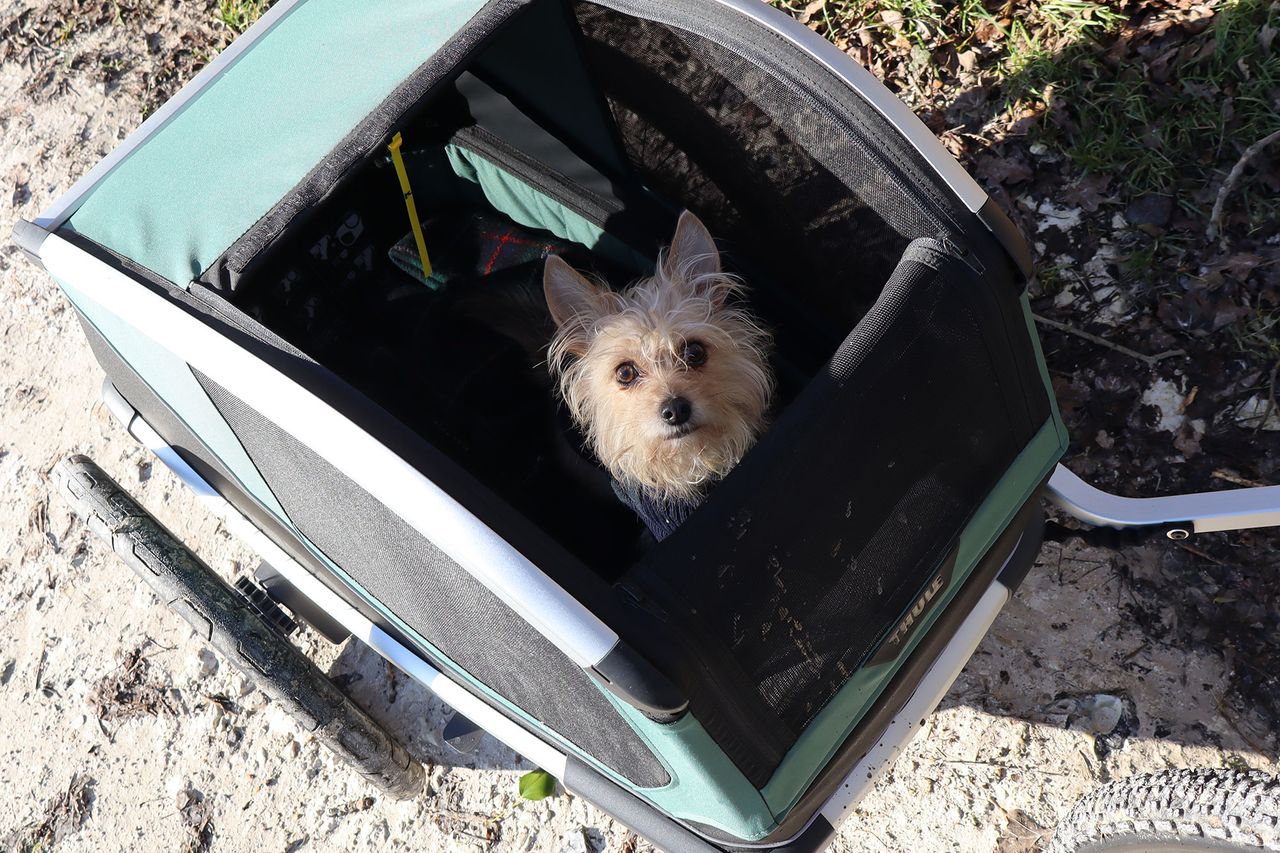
1203,512
424,506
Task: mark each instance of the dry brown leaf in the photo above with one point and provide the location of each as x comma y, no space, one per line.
996,169
987,32
1089,192
893,18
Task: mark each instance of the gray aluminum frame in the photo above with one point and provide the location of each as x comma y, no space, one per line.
1201,512
476,548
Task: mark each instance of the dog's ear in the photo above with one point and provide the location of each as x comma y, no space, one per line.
572,299
694,258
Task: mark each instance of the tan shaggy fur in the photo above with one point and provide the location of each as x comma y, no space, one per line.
649,325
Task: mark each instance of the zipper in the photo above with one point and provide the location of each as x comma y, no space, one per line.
965,256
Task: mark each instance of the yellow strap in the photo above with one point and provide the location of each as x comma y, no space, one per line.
408,202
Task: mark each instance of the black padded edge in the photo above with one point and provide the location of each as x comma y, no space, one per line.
627,675
1016,571
999,223
815,838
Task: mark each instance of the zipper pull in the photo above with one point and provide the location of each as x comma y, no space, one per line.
963,254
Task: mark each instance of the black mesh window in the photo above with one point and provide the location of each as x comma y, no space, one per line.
822,537
764,164
458,615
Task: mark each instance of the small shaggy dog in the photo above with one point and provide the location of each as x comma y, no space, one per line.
668,378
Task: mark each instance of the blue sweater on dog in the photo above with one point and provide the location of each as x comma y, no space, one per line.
662,517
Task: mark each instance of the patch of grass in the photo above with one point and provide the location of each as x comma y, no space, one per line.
1160,95
1171,124
1051,27
1035,29
239,15
1258,337
1051,279
1140,259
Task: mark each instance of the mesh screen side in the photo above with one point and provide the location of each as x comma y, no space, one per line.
763,162
822,537
430,593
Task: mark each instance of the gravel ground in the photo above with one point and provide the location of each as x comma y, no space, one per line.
121,732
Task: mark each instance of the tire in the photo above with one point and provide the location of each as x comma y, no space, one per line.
223,618
1178,810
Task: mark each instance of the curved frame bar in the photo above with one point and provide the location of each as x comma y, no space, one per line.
1202,512
872,91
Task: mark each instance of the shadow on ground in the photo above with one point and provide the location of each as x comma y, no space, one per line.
1083,645
412,713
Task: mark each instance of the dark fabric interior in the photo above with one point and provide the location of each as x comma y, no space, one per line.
444,603
908,383
876,469
696,121
461,366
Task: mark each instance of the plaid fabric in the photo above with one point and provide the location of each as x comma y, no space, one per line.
472,246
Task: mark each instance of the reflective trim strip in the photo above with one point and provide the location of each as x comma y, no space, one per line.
60,210
422,504
872,91
1231,509
906,724
514,736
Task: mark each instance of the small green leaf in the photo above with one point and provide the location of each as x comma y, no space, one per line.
537,785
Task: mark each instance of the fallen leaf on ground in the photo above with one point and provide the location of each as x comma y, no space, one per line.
1089,192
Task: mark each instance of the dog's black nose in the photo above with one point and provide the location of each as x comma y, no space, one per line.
675,410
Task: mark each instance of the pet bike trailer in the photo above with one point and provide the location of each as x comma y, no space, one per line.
362,391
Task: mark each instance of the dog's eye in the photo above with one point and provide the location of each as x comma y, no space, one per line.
626,374
695,354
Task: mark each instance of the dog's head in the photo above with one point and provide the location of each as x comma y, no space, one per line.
667,378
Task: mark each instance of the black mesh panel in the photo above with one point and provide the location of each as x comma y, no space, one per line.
435,597
763,161
825,534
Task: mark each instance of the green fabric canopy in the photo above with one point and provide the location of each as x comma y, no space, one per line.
224,159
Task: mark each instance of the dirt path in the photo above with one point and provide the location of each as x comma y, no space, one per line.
118,731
